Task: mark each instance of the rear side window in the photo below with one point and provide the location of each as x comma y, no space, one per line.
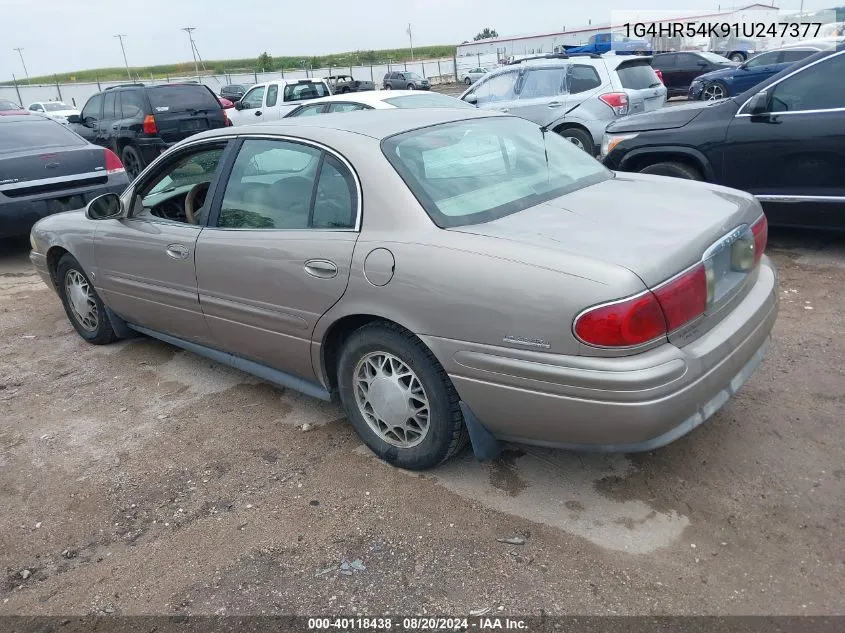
36,134
131,104
181,98
793,56
583,78
272,95
304,90
427,100
637,76
308,110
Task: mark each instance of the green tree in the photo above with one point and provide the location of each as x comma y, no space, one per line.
486,34
265,60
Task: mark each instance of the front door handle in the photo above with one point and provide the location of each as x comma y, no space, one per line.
322,268
555,104
504,109
258,113
177,251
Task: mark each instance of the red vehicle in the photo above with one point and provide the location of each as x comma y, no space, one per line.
9,108
225,103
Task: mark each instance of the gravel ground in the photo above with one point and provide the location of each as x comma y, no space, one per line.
140,479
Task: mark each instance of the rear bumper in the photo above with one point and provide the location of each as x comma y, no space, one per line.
624,404
18,215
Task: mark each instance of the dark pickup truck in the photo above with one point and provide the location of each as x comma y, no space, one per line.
340,84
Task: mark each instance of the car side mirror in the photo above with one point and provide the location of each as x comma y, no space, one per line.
239,105
104,207
759,104
74,118
473,99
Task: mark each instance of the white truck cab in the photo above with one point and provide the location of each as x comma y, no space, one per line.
271,100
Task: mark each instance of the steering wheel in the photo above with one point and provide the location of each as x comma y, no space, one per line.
190,201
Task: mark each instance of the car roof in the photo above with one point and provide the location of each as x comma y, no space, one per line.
367,97
377,124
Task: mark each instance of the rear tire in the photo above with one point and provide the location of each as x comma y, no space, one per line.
580,139
388,87
384,375
737,57
468,81
410,86
132,162
674,170
83,306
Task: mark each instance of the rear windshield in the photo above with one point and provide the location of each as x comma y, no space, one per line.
304,90
8,105
638,76
182,98
475,171
36,133
427,100
56,106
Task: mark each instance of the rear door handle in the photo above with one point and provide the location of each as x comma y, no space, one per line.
322,268
177,251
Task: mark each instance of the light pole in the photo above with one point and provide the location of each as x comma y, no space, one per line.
23,63
411,39
189,30
120,37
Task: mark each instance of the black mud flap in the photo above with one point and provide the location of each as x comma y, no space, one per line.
484,445
119,326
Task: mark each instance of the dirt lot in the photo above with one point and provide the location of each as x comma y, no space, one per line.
137,478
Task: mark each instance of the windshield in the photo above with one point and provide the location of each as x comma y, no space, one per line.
36,133
714,58
56,106
305,90
475,171
427,100
182,98
410,75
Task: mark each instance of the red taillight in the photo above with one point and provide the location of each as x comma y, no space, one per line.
622,324
647,316
659,74
616,100
113,164
683,298
760,229
227,119
150,125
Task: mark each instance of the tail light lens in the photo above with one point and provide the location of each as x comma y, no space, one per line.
113,164
150,125
647,316
659,74
227,119
618,101
760,229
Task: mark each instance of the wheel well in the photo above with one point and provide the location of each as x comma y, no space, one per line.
638,163
568,126
335,338
54,254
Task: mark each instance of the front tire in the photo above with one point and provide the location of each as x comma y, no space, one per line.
132,161
580,139
399,399
674,170
714,91
83,306
388,87
737,57
410,87
468,81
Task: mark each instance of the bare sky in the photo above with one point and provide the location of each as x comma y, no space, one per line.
66,35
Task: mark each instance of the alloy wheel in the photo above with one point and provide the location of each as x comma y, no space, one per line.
713,92
80,298
391,399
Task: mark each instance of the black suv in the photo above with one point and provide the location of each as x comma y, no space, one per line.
783,141
234,92
139,122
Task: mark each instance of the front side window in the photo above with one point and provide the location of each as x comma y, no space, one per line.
255,97
272,186
36,108
166,194
109,105
91,111
497,88
763,59
812,88
476,171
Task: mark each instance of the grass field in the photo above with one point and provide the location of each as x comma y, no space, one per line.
221,66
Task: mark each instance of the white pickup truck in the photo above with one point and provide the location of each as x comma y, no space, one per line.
272,100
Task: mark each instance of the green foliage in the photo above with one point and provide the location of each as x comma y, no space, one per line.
222,66
486,34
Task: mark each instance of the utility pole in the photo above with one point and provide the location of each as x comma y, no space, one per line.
120,37
411,39
189,30
23,63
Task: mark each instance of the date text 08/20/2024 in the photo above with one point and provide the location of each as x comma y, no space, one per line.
416,624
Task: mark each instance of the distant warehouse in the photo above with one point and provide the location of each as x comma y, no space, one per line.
508,47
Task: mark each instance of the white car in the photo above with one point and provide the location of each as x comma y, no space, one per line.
377,100
57,110
273,100
473,75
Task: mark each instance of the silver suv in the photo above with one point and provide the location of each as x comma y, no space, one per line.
576,96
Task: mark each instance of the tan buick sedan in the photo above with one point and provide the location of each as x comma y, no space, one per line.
447,274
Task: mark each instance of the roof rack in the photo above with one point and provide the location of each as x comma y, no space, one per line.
590,55
125,86
547,56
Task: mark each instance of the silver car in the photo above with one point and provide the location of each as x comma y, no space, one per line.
577,97
445,273
472,75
